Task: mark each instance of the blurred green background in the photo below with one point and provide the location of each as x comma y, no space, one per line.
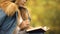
45,13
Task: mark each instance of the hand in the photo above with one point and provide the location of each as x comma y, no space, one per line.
24,25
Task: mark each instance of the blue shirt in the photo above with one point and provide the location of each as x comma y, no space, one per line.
7,24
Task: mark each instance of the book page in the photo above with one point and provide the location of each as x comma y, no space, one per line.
43,28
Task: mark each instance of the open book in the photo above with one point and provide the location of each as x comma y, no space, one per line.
38,28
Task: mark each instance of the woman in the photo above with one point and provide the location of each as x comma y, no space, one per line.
8,16
24,13
24,24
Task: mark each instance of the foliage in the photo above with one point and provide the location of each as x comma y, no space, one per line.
45,13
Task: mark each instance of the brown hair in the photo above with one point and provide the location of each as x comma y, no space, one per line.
24,13
8,7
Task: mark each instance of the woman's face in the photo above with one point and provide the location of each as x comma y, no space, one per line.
22,2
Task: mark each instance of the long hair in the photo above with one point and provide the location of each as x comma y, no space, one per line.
24,12
8,7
